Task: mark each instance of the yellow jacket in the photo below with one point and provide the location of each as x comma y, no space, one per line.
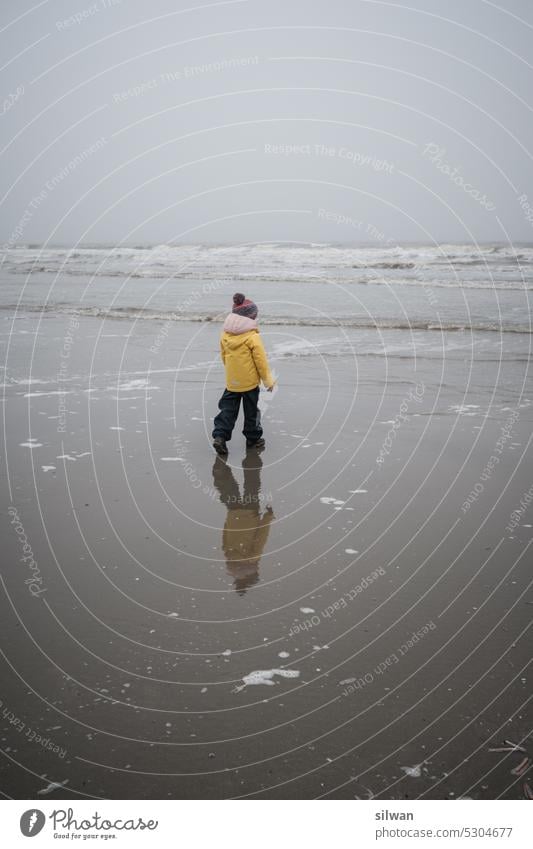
243,355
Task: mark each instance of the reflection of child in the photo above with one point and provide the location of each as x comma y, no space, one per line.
245,530
246,363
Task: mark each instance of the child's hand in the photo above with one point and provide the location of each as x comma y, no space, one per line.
270,389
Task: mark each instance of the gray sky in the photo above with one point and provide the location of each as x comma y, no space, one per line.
186,121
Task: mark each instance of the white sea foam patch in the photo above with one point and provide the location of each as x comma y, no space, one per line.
265,676
330,500
463,409
52,392
303,347
128,385
172,459
131,398
29,381
412,771
32,443
306,610
53,785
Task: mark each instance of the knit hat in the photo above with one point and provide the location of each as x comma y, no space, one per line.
242,306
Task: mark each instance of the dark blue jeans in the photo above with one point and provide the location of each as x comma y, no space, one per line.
229,406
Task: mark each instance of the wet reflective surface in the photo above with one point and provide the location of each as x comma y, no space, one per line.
302,622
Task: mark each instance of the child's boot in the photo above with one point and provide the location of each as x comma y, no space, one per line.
258,444
219,445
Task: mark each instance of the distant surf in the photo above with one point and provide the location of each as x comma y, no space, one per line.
488,266
481,288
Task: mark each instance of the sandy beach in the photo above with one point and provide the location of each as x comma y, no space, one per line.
341,616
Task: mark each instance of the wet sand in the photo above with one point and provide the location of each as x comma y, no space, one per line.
389,617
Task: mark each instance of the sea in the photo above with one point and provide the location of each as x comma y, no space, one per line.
387,300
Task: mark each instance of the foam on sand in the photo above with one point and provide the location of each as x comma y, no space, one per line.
54,785
265,676
129,385
53,392
412,771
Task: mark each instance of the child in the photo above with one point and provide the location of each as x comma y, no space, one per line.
246,365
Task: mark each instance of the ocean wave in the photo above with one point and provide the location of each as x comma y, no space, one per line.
363,322
283,275
386,265
302,259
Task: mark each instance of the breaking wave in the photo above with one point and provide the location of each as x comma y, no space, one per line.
142,314
487,266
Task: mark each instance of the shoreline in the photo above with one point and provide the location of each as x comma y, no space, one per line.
134,314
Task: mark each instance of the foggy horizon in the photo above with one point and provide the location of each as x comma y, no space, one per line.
236,121
303,242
